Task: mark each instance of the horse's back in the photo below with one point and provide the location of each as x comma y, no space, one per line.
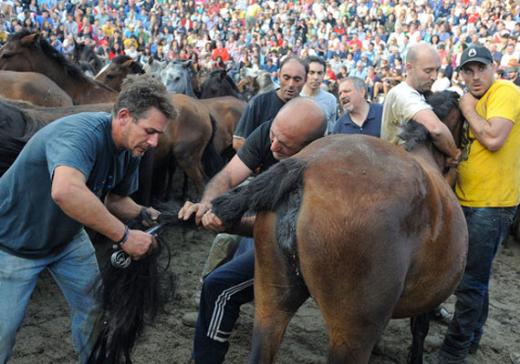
33,87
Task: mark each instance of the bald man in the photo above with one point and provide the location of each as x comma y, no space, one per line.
224,290
406,101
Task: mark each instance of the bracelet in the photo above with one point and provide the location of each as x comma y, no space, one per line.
124,238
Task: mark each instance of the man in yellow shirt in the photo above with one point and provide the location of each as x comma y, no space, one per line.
488,189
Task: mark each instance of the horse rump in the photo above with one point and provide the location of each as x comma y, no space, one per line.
10,148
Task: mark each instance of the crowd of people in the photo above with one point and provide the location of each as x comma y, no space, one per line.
367,39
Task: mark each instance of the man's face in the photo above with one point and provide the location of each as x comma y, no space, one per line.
284,141
478,77
424,72
143,134
292,78
315,75
349,97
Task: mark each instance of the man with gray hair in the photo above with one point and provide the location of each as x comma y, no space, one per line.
406,101
360,116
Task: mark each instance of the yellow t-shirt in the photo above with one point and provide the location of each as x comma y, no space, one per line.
492,179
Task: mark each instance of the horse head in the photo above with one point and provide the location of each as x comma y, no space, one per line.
115,72
15,54
417,139
219,83
176,76
264,82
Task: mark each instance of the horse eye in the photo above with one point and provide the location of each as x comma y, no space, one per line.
7,55
109,77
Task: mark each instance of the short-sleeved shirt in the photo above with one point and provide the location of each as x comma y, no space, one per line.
329,105
400,106
371,126
261,108
32,225
492,179
256,151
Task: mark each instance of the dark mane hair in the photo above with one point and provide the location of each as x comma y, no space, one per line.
442,103
71,69
136,67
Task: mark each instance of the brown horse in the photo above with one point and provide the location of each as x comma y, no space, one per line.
113,74
28,52
32,87
369,230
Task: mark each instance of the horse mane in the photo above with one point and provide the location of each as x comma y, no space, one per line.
414,133
71,69
443,102
135,68
264,193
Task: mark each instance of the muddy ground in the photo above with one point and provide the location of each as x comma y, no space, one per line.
45,335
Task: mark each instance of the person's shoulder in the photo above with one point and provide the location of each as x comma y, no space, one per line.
505,86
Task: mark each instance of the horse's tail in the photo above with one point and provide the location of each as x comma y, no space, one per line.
212,161
265,193
10,148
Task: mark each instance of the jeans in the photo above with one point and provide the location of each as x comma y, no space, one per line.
487,228
76,271
223,292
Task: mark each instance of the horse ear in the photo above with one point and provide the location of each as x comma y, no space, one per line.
30,39
186,63
223,75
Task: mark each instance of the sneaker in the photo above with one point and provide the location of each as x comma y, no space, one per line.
190,319
441,314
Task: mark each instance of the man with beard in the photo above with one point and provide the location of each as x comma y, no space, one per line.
360,116
263,107
406,101
488,188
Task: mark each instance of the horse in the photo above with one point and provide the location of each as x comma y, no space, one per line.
87,59
219,83
28,52
32,87
113,74
177,77
368,229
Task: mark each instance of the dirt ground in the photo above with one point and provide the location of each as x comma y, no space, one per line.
45,335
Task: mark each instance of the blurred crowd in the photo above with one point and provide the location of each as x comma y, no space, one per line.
364,38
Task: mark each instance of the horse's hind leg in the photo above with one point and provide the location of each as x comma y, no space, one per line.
419,326
278,293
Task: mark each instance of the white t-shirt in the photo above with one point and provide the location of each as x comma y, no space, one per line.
401,104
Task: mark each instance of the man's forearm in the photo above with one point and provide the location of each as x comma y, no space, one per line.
217,186
123,207
83,206
443,140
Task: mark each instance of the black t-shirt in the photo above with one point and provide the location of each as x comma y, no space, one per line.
261,108
256,151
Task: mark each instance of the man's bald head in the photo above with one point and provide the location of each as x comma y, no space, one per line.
422,65
419,51
299,122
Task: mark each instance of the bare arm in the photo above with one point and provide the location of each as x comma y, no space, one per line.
126,209
234,173
439,132
492,133
71,194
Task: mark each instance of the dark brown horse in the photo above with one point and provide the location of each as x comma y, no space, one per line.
32,87
28,52
369,230
219,83
113,74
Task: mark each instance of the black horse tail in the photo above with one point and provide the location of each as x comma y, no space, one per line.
212,162
265,193
10,148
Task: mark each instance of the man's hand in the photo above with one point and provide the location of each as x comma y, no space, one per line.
454,161
138,244
467,104
211,222
190,208
149,216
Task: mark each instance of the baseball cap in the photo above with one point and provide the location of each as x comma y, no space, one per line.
475,54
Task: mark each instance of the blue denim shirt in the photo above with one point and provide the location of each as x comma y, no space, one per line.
371,126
